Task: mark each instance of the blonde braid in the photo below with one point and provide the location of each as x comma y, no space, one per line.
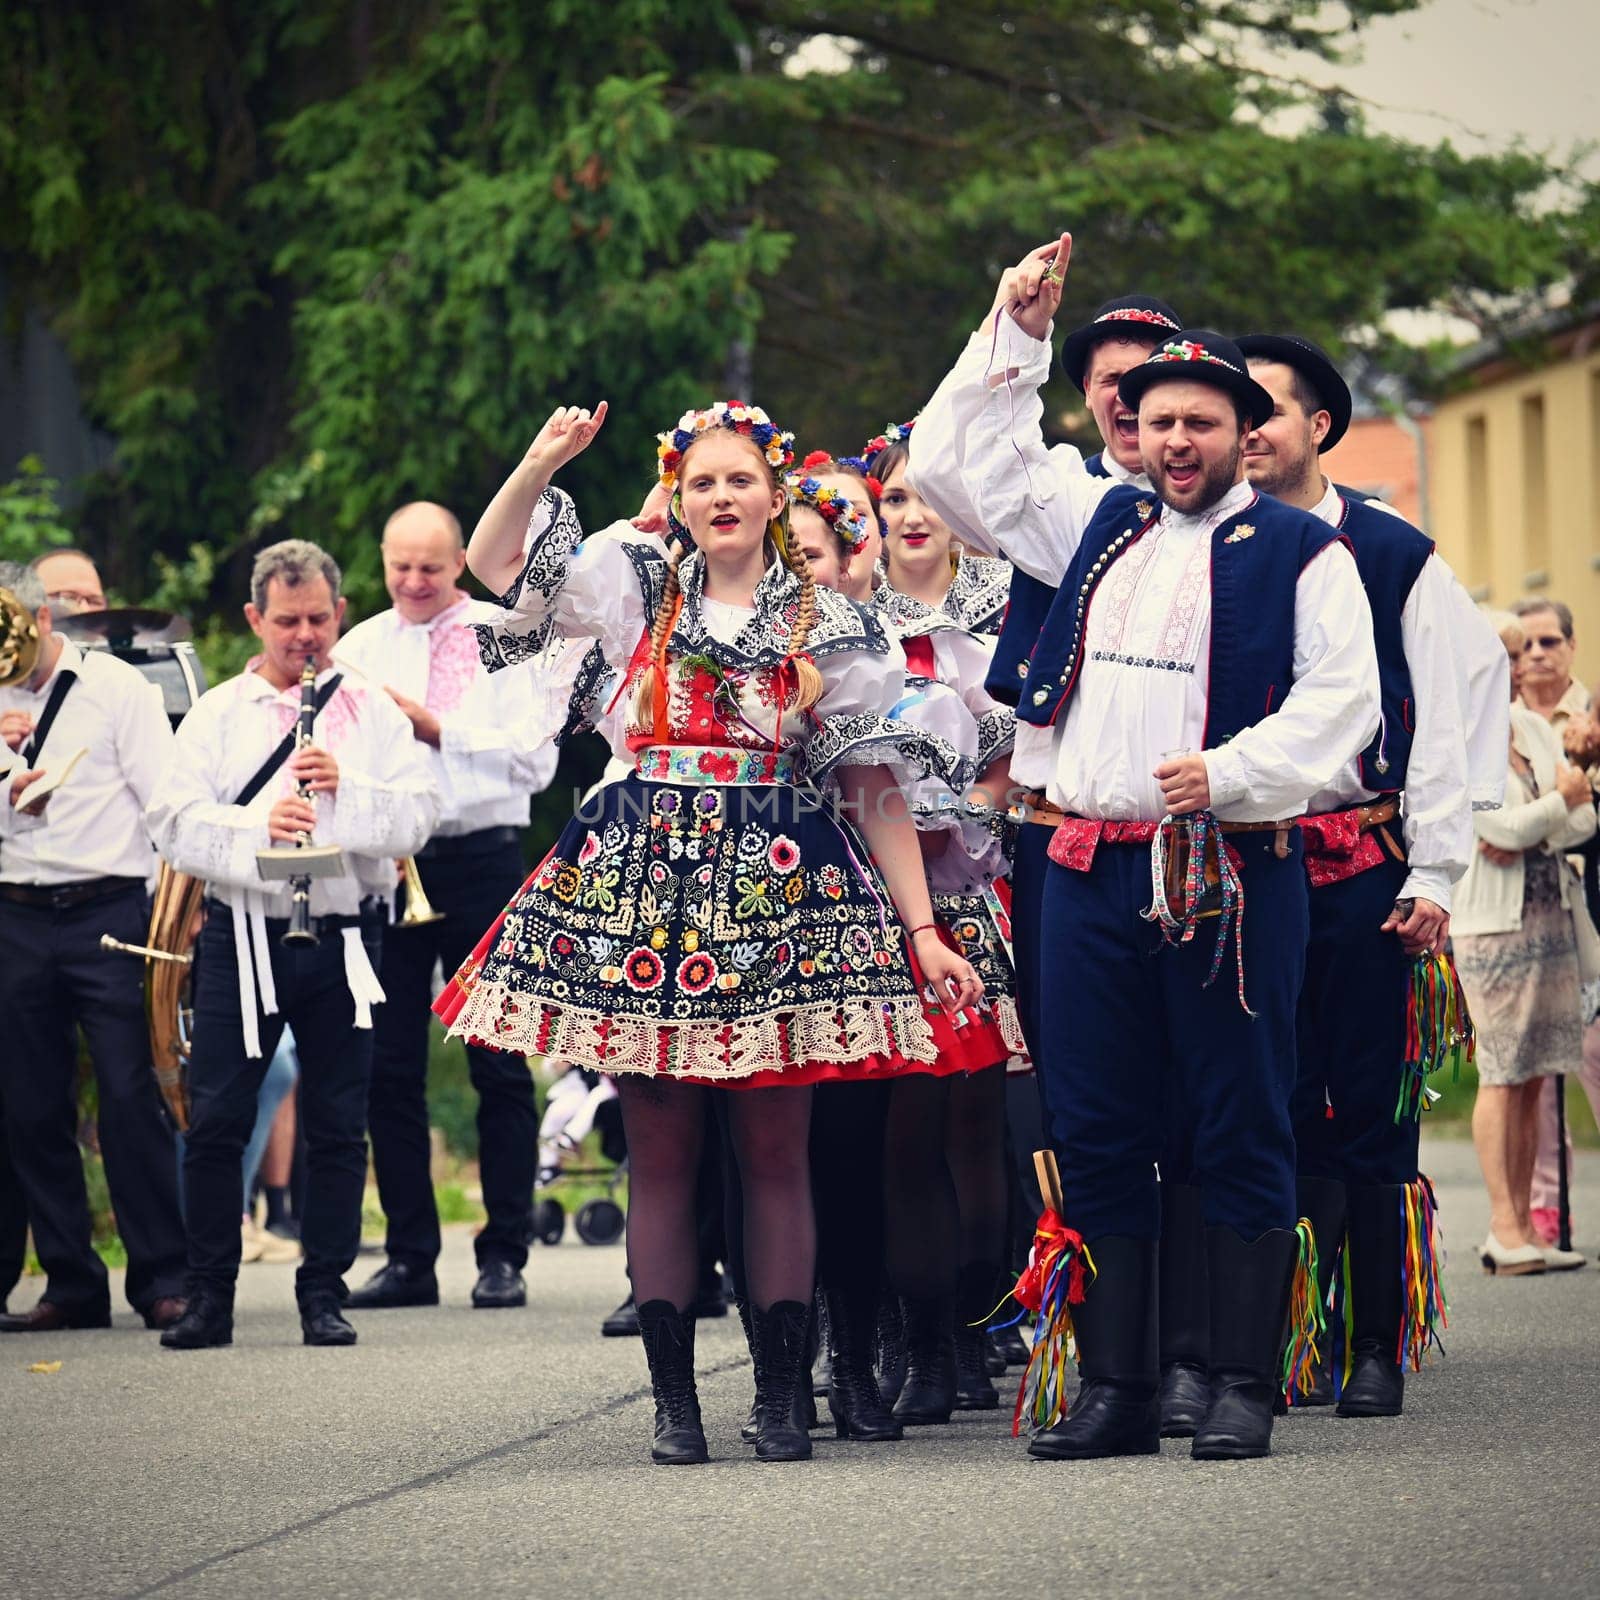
644,694
807,680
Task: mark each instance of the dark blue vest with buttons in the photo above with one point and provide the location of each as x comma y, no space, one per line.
1027,605
1257,556
1390,555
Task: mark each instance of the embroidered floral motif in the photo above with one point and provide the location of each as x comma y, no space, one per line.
643,970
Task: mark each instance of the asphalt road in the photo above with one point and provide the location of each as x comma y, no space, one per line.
487,1453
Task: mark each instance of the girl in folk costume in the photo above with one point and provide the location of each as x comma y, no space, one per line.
708,922
944,1159
921,555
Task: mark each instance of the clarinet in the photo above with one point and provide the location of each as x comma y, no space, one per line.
300,930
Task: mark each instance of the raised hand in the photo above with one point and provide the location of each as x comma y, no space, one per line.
570,430
652,517
1031,290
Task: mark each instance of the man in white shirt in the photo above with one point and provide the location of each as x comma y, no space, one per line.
369,792
472,728
75,871
1385,841
1208,656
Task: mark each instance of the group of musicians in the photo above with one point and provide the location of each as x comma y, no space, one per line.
390,743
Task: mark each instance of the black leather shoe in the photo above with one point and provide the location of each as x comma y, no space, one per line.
994,1358
752,1423
1247,1326
623,1323
1013,1345
1185,1394
1105,1421
499,1286
207,1322
928,1395
781,1331
1116,1412
1377,1383
668,1337
323,1322
48,1317
891,1355
711,1299
398,1284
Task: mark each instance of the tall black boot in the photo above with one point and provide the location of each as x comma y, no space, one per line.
1249,1312
668,1336
1116,1412
1323,1202
858,1409
752,1422
928,1395
891,1353
975,1298
1184,1311
781,1331
1377,1383
822,1362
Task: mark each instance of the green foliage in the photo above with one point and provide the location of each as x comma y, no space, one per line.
312,258
30,516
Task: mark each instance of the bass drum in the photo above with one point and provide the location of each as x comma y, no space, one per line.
157,643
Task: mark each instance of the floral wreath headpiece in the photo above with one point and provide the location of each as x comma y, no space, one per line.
895,433
750,422
834,507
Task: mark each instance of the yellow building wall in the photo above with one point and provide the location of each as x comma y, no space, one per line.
1515,495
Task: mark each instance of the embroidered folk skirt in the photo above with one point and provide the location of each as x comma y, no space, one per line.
994,1033
736,936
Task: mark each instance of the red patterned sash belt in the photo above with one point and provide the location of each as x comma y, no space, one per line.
1076,839
1344,844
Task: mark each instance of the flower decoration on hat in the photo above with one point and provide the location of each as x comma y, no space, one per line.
750,422
833,507
895,433
1135,314
1190,350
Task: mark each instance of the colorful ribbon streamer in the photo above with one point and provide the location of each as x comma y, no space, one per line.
1439,1030
1306,1318
1053,1282
1426,1311
1203,834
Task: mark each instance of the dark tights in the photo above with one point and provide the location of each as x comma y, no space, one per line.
922,1224
769,1130
975,1147
847,1127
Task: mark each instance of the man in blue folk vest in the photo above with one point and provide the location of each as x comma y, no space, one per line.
1121,334
1384,842
1208,657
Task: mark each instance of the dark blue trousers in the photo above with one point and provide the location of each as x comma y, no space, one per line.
1123,1016
1352,1036
1027,1116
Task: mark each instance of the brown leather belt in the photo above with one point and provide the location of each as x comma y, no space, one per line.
1379,812
1034,807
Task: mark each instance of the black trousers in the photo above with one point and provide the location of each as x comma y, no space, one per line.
55,978
470,881
13,1219
335,1064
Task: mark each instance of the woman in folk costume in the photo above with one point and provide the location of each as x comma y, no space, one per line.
947,1141
708,922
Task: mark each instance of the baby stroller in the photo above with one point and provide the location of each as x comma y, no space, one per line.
580,1101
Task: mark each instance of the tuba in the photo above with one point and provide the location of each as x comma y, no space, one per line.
157,644
19,640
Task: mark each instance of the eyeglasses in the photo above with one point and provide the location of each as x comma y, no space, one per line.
1550,641
76,599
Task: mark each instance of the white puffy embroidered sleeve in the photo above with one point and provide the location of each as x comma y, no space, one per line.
857,722
574,587
387,803
193,828
978,455
963,660
1269,771
1438,801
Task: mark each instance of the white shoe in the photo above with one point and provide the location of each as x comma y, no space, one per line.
1500,1261
1559,1260
275,1249
249,1240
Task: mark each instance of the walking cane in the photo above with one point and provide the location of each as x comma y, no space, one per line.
1563,1193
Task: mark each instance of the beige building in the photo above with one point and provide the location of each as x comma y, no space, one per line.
1514,491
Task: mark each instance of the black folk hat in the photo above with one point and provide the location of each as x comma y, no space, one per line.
1312,363
1198,355
1128,316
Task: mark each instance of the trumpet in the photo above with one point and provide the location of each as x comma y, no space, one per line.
302,861
419,908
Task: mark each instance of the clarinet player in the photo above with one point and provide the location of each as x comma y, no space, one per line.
237,785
